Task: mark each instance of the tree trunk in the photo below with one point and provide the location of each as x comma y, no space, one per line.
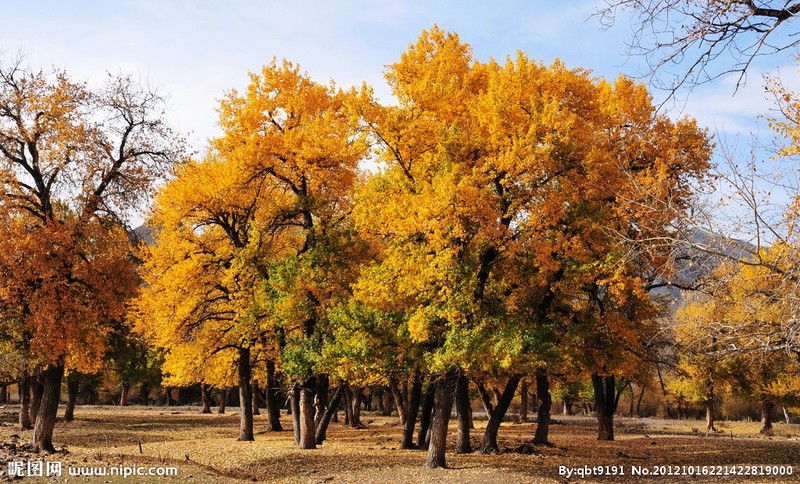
223,401
411,411
167,396
321,399
463,445
37,390
425,416
523,402
710,408
402,411
567,406
205,398
245,396
306,414
348,405
322,427
144,394
3,394
123,398
639,401
387,402
254,397
73,385
273,412
766,417
295,406
543,412
48,410
443,406
25,403
786,415
605,402
355,419
496,413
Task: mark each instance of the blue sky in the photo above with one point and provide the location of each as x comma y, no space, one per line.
196,50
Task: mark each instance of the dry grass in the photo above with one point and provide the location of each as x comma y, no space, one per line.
204,448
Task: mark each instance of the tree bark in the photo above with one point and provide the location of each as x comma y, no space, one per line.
223,401
463,445
605,403
411,411
710,408
3,394
355,416
543,412
25,403
295,406
496,413
73,385
402,410
123,398
37,390
639,401
205,398
443,406
273,412
322,427
766,417
245,396
567,406
307,429
144,394
425,416
523,403
46,418
321,399
387,402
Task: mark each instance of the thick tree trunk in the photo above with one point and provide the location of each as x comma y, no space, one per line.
321,399
245,396
402,410
73,385
543,412
4,394
443,406
205,398
25,403
123,398
48,410
294,404
425,417
37,390
766,417
273,411
144,394
523,402
223,401
605,401
387,402
355,416
306,414
496,413
463,445
322,427
167,396
411,411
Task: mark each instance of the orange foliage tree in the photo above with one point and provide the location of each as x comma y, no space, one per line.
72,162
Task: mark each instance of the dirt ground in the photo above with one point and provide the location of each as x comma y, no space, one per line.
203,448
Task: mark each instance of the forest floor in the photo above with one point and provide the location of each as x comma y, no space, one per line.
204,449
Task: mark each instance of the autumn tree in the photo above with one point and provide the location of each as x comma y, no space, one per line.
74,161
